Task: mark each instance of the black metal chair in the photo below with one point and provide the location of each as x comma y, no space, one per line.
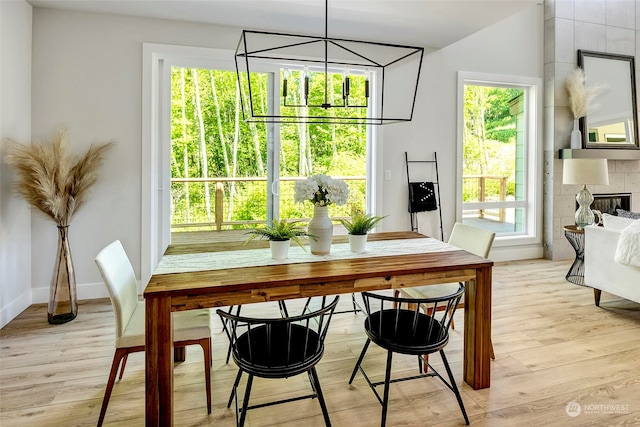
282,306
278,348
409,331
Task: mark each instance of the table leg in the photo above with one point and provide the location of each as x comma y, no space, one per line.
159,362
477,330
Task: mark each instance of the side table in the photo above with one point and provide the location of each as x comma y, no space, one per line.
575,236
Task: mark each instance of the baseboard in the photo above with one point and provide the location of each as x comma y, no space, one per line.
513,253
15,307
41,295
85,291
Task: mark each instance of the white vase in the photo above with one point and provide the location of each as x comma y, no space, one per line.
321,227
576,136
358,243
279,248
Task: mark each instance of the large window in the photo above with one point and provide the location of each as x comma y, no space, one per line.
172,126
499,156
227,173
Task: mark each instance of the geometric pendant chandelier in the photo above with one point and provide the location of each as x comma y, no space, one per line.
325,80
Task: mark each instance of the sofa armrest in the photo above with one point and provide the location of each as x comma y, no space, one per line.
599,249
600,242
600,269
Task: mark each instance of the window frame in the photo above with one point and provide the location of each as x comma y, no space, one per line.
157,61
532,203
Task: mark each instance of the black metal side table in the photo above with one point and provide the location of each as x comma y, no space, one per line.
575,236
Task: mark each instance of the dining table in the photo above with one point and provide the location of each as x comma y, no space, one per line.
211,275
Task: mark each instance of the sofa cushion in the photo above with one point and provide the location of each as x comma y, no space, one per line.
613,222
626,214
628,250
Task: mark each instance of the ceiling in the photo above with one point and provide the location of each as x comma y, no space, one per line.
426,23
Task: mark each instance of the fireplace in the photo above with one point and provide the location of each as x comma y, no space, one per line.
608,203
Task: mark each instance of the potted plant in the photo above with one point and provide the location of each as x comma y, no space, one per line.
280,233
358,227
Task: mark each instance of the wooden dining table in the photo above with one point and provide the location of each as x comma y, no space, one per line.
198,276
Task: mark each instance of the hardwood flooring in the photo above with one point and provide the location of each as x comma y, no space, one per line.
553,346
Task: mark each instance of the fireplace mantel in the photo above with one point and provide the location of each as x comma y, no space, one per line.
599,153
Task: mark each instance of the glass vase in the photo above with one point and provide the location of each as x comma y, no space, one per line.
63,300
321,227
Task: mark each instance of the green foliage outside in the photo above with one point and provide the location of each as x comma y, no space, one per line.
210,139
489,139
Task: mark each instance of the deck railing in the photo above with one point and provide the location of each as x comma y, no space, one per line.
480,188
238,202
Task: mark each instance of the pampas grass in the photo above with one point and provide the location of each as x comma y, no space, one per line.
580,94
52,180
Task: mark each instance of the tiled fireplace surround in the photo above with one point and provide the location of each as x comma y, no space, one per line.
624,177
611,26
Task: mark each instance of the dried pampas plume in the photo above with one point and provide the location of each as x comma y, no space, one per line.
580,94
52,180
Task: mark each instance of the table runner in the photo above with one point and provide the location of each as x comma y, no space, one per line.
184,263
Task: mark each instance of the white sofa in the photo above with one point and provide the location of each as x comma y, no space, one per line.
601,272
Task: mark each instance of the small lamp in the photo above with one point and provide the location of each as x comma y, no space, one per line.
583,172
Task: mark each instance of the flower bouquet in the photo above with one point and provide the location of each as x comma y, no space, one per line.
321,190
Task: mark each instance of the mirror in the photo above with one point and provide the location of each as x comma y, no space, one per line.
612,122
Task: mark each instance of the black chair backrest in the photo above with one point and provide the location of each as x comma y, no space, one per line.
410,325
278,347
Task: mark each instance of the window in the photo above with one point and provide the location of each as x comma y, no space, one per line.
222,170
183,151
499,152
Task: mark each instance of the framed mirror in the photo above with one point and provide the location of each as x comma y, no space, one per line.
612,122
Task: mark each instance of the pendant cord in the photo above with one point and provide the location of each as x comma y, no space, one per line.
326,18
326,52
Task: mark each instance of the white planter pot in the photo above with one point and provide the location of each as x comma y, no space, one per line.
279,248
358,242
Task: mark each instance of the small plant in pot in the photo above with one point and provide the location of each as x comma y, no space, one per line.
280,233
358,227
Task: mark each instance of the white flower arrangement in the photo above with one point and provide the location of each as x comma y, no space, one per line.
321,190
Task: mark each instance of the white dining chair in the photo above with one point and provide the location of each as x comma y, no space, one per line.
189,327
472,239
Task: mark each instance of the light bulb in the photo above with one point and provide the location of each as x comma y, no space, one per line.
284,82
306,83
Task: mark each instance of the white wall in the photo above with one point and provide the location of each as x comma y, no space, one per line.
87,76
15,123
513,46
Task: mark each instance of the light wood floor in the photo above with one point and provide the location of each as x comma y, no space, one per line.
552,345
